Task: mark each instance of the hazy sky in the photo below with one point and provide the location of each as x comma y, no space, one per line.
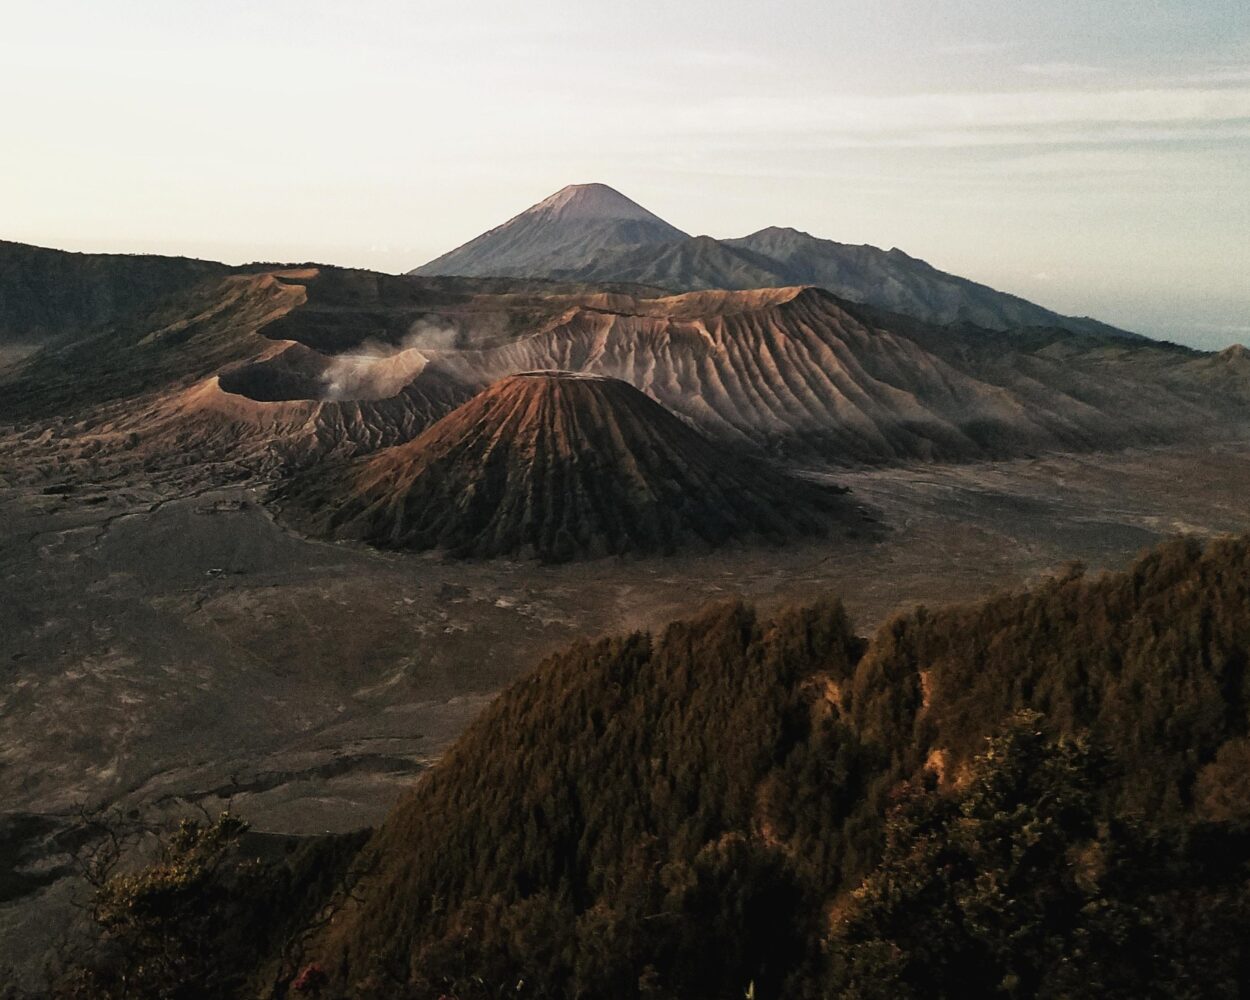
1091,155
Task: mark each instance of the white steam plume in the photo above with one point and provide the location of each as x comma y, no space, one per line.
376,370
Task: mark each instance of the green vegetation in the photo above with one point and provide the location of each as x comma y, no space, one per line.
216,913
1016,886
1042,795
685,815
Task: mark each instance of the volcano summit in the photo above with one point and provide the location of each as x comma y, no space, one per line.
577,223
561,465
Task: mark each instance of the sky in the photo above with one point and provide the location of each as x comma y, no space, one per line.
1091,156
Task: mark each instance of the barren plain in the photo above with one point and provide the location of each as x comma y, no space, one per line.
166,651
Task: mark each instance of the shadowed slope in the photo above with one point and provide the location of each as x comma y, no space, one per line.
894,280
559,465
776,258
50,295
687,265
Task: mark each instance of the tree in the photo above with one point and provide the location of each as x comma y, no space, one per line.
1015,887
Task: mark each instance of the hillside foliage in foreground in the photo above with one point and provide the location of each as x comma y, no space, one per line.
684,815
1040,795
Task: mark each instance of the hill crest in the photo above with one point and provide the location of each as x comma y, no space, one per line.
592,201
576,223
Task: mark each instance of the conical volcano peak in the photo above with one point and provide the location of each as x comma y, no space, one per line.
573,226
591,201
559,465
593,233
547,402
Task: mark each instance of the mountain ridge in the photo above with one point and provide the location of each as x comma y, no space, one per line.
614,239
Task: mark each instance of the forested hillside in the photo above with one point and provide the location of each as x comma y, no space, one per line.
1042,795
690,814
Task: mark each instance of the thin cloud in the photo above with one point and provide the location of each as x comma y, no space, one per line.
979,118
722,59
975,48
1226,74
1059,70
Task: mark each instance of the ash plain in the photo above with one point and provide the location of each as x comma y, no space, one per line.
168,644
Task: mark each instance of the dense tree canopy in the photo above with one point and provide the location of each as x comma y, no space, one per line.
1040,795
1016,886
678,815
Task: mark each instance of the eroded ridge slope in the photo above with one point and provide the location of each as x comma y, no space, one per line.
560,465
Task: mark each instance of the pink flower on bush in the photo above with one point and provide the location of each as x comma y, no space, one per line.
311,980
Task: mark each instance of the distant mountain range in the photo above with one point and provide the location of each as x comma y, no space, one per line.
592,233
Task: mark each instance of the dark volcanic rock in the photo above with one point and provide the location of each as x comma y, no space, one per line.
560,465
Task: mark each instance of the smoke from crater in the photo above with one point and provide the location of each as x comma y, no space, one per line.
378,370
